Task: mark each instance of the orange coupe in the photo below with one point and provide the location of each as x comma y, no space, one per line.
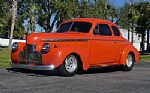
80,43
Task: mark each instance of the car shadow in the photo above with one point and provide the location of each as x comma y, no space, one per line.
57,73
96,70
38,73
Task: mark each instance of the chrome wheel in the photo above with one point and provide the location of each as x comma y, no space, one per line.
71,63
129,60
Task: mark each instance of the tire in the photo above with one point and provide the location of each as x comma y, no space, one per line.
69,66
129,63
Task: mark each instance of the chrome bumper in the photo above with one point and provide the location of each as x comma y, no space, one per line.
32,67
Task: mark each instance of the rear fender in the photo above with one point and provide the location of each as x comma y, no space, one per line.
129,49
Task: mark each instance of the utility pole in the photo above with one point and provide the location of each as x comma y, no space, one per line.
14,10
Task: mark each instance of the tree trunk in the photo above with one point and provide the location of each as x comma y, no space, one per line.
32,23
14,9
48,25
142,43
49,18
128,34
148,46
132,37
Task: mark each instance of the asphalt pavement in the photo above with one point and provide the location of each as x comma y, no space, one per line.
101,80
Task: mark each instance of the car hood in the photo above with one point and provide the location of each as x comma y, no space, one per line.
39,37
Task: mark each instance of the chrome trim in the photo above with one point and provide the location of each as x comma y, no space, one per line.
76,40
109,40
35,57
64,40
32,67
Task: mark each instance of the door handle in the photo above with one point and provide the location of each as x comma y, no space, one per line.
115,42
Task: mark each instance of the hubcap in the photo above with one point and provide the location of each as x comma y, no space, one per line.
129,60
71,63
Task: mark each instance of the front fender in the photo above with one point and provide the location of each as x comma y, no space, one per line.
57,55
15,54
125,53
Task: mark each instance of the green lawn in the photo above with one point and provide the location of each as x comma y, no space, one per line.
145,58
5,58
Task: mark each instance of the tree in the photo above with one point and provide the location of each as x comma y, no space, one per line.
5,21
14,9
137,17
5,16
67,9
128,17
97,9
46,12
133,16
28,10
143,23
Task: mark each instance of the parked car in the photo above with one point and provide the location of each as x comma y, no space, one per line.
80,43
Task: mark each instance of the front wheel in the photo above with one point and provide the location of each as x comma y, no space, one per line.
69,66
129,62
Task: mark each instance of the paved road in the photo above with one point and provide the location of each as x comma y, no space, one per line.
104,80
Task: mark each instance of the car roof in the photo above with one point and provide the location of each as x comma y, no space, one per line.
91,20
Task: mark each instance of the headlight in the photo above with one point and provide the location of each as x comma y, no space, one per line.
45,48
14,46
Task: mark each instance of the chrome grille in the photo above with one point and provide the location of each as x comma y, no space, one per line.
30,48
30,55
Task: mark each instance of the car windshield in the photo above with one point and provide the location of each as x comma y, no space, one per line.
75,26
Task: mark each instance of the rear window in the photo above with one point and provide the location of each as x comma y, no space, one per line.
115,30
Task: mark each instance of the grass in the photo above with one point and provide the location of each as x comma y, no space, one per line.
5,58
145,58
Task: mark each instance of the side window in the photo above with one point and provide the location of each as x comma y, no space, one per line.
115,30
102,29
96,30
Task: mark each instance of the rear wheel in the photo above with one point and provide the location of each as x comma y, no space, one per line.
69,66
129,62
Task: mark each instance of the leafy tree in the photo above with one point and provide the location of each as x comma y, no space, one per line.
5,15
128,17
143,23
136,16
5,20
103,9
46,12
28,10
65,10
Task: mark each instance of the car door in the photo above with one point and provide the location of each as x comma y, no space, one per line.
102,51
119,42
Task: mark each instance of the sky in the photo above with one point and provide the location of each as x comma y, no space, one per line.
121,2
147,0
117,2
